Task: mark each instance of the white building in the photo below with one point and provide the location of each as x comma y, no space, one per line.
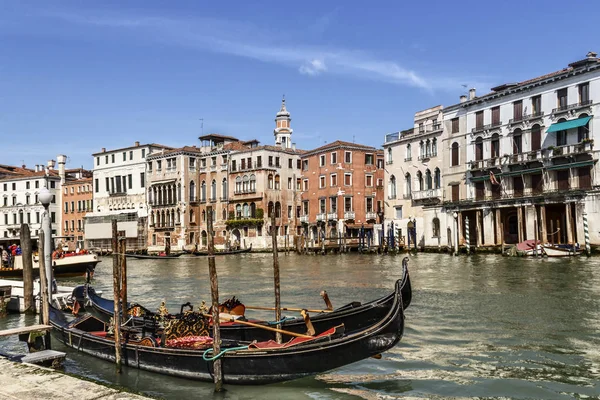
527,154
19,204
119,179
414,188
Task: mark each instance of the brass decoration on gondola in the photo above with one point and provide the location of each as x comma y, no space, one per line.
189,324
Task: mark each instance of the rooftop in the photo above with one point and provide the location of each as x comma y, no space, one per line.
340,144
135,146
218,137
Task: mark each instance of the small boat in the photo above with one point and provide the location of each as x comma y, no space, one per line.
153,257
529,248
243,362
224,252
5,294
72,265
354,315
561,250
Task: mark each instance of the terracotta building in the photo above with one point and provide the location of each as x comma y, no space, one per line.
342,190
77,202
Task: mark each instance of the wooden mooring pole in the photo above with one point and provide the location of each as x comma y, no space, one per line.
45,302
276,276
27,258
123,272
116,295
214,293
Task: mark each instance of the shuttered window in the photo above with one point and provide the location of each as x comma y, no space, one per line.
536,138
563,179
479,191
496,116
537,184
479,120
518,186
454,154
455,192
585,178
455,126
518,110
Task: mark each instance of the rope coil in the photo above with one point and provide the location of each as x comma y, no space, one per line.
221,354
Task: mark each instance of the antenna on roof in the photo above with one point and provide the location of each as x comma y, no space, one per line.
201,126
353,139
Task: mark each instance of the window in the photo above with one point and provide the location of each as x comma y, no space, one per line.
437,178
97,160
124,156
436,227
479,149
434,147
517,142
392,187
322,160
131,155
304,165
130,181
369,204
143,153
142,179
53,217
5,202
348,179
496,116
428,180
277,182
258,161
479,120
398,210
322,181
233,164
348,157
270,161
407,185
584,93
37,184
495,145
369,180
408,155
536,138
243,164
455,126
369,160
322,206
290,163
106,159
518,110
347,203
112,158
454,151
421,128
14,186
305,185
536,105
561,138
390,158
27,198
334,180
480,190
27,185
299,164
290,183
277,164
334,158
333,204
66,206
561,98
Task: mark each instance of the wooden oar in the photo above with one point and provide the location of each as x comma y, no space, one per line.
286,309
326,299
268,328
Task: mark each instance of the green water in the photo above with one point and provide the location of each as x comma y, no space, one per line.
479,327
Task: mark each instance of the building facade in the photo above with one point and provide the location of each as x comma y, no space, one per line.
342,191
119,180
414,182
77,199
527,153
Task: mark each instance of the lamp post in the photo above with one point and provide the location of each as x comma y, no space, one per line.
455,215
45,198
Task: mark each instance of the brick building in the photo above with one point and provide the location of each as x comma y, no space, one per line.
77,202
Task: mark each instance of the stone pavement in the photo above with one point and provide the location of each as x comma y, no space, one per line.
29,382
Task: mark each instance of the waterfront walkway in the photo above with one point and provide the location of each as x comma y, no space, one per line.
30,382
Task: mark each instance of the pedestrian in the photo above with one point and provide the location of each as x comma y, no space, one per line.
4,258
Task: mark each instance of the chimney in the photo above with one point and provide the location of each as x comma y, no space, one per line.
104,149
591,54
463,98
294,146
137,144
471,94
62,160
51,164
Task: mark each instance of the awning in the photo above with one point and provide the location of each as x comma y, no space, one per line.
358,226
521,172
571,165
563,126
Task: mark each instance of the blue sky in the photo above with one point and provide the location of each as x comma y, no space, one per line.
78,76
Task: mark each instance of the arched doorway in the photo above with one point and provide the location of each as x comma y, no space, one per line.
237,238
204,239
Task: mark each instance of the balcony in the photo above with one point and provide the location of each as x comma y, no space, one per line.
406,159
428,194
222,199
213,168
486,127
117,194
574,106
321,216
349,215
526,117
223,167
570,149
371,215
304,219
332,216
244,191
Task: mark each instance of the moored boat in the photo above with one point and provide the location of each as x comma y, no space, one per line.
153,257
354,315
72,265
243,362
561,250
224,252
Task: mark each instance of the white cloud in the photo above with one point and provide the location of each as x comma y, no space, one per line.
314,67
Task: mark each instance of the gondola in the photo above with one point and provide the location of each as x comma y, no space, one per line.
354,315
151,257
224,252
243,362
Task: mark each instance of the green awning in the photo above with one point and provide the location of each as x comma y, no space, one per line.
480,178
563,126
521,172
571,165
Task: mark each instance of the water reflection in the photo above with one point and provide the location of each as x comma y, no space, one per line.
483,326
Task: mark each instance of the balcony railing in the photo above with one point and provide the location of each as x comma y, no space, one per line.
427,194
245,191
407,158
572,106
349,215
486,127
391,196
321,216
116,194
223,167
332,216
371,215
526,117
304,219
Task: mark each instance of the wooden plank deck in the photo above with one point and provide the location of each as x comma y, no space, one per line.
25,329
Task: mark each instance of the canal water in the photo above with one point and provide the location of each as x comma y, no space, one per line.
485,327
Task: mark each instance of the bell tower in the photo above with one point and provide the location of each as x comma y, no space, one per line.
283,131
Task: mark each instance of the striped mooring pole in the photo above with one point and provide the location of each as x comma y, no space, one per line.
467,239
586,234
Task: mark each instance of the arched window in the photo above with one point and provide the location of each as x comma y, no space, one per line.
454,151
407,185
213,190
436,227
253,210
246,211
434,147
203,191
583,132
179,192
238,211
437,178
389,155
277,182
192,216
252,183
152,218
238,184
192,191
270,209
420,180
224,214
479,149
178,214
428,148
246,184
270,181
408,152
517,140
495,146
277,210
428,182
422,149
224,189
150,198
392,187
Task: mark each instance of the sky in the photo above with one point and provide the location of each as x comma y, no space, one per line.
78,76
